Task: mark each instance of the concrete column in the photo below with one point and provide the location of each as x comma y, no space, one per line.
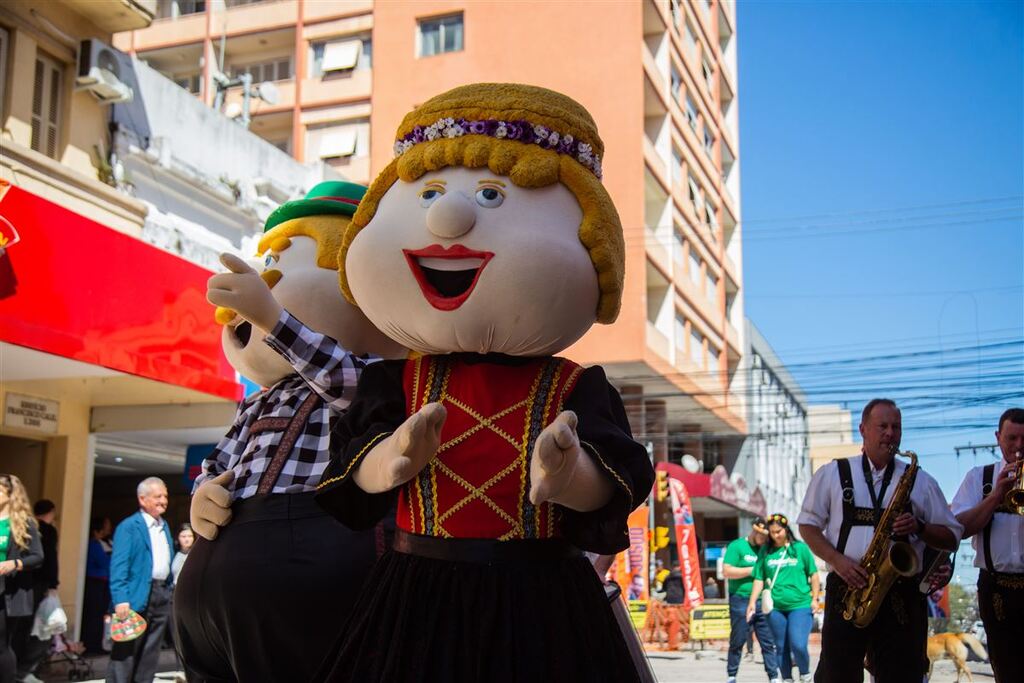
633,400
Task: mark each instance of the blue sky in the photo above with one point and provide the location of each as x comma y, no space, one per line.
898,126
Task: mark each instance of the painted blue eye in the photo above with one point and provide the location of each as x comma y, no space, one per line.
269,260
429,196
489,197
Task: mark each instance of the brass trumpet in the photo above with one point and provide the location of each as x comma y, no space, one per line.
1014,498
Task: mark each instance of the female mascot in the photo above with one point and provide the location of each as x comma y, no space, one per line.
487,246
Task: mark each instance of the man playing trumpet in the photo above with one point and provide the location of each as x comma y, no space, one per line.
845,501
990,505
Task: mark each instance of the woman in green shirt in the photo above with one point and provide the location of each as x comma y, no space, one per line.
787,567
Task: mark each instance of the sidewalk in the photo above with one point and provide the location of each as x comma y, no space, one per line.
57,670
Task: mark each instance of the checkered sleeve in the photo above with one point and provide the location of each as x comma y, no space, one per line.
330,370
231,446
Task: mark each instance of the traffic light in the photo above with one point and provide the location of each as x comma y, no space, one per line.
661,485
660,537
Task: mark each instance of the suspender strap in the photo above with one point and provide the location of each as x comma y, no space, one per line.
987,475
284,448
852,515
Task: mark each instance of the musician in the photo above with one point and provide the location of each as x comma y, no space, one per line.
998,532
844,502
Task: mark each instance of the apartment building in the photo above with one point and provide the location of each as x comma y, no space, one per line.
660,78
775,454
113,209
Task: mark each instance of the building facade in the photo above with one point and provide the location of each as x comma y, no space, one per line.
113,210
775,453
831,432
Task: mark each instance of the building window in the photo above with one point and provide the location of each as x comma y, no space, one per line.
46,119
680,330
711,286
711,218
696,197
709,76
189,82
676,82
172,9
714,361
344,55
678,247
338,142
694,267
440,34
691,113
5,40
697,348
677,165
275,70
709,142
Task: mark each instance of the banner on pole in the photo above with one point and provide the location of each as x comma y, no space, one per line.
686,543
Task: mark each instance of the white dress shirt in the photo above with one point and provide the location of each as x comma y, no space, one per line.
1007,530
161,551
823,504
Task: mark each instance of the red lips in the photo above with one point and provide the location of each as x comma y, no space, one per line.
447,288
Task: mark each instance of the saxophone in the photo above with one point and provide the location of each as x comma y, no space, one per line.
885,559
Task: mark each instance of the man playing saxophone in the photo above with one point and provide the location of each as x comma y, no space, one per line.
845,502
990,505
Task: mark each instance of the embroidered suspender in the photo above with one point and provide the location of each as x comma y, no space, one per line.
293,427
987,474
852,515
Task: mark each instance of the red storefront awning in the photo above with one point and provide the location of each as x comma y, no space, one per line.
72,287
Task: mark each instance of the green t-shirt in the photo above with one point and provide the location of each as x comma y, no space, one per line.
5,536
740,554
792,588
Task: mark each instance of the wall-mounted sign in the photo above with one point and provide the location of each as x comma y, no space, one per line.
31,413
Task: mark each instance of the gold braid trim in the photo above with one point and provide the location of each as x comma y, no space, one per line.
354,461
593,451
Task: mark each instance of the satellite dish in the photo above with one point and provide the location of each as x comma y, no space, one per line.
691,464
267,92
233,110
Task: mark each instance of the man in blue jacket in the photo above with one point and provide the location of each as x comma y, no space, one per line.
140,580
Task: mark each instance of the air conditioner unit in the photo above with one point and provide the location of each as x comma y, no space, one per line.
100,70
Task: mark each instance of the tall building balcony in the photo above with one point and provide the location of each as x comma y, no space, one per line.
115,15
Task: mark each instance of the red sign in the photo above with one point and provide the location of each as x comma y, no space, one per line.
78,289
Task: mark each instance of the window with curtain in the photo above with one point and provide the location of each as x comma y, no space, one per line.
438,35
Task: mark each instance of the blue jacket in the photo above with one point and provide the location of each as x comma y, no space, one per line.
131,565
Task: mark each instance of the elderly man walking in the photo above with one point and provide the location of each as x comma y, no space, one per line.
140,580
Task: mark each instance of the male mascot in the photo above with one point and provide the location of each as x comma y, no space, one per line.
272,576
487,246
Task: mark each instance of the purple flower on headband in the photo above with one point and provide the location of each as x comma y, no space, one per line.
417,134
515,130
477,128
566,145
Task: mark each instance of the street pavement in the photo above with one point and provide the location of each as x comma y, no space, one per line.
687,666
708,666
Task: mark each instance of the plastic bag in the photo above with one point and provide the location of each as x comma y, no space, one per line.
50,618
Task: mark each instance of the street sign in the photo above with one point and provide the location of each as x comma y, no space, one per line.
31,413
710,621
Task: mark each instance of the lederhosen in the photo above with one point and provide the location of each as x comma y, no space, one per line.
1001,602
264,601
899,629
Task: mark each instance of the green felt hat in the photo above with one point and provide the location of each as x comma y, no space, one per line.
332,196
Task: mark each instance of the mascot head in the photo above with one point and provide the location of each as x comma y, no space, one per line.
490,231
299,251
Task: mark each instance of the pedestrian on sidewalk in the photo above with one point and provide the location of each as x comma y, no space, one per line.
30,650
140,581
738,565
22,551
786,567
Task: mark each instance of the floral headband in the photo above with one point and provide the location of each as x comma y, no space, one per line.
520,131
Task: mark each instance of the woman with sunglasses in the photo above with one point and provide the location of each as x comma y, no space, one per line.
21,550
787,567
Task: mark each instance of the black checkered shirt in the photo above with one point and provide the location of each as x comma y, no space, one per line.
323,366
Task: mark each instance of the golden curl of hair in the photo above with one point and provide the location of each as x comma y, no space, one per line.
20,512
527,166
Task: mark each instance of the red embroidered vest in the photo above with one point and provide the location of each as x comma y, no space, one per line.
478,485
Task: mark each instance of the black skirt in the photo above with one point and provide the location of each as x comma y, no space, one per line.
441,610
